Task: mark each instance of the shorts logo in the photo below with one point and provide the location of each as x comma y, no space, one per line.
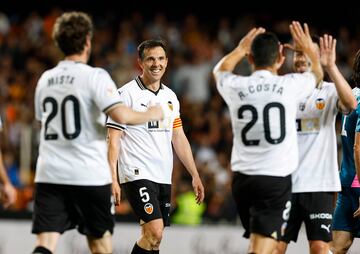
327,228
148,208
315,216
320,103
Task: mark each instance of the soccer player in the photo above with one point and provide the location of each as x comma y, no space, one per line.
317,177
7,190
346,223
73,180
144,152
263,112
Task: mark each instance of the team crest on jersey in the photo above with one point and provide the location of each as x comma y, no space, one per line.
320,103
148,208
171,107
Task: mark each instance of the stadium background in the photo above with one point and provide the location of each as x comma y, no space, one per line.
197,37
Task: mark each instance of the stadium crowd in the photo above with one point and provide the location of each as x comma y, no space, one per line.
26,50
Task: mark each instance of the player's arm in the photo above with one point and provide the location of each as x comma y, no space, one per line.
114,137
304,43
229,61
347,101
125,115
183,150
8,189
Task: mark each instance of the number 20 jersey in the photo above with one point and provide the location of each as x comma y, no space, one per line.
263,112
69,101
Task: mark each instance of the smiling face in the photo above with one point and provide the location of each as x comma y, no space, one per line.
153,64
301,63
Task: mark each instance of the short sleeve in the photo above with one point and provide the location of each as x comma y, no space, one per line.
225,81
125,99
104,90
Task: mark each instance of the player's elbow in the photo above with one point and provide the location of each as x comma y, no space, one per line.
352,105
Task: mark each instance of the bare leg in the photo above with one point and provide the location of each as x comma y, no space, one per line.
260,244
48,240
101,245
341,242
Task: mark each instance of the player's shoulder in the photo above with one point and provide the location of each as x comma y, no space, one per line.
129,86
328,85
96,70
45,76
168,90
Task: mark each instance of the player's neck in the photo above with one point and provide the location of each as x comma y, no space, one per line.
153,86
77,58
272,69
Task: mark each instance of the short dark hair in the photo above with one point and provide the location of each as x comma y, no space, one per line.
71,30
148,44
265,49
356,70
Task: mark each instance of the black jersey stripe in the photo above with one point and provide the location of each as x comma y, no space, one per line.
115,126
140,83
111,105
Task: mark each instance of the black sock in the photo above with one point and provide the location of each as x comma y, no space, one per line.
155,251
41,250
138,250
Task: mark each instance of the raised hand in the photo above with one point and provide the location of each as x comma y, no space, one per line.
327,51
246,41
302,38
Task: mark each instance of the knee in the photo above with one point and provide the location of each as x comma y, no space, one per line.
280,248
154,236
340,248
318,247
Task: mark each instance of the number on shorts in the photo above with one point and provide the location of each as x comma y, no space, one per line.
144,195
286,212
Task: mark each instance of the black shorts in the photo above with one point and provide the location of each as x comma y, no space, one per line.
315,209
58,208
263,203
149,200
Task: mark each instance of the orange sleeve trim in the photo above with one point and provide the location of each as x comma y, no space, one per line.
177,123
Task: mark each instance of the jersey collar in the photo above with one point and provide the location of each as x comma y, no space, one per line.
143,87
262,73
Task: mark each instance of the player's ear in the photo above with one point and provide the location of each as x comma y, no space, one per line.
140,63
281,57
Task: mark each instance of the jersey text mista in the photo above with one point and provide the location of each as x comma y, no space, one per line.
61,80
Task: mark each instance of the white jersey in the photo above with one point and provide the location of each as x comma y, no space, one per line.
263,110
146,149
318,166
69,101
